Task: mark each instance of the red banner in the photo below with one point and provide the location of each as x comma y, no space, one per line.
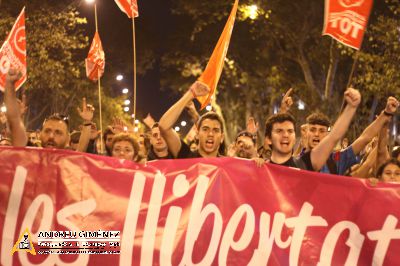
182,212
13,52
346,20
95,61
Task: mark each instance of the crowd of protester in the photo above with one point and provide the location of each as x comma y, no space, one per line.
322,145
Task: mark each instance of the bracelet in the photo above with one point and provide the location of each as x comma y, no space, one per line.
387,114
193,93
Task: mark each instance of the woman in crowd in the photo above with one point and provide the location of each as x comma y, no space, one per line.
124,146
389,171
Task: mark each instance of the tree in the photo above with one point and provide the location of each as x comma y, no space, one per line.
278,47
56,49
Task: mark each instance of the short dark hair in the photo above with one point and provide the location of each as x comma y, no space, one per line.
277,118
155,125
247,134
58,117
75,136
211,116
395,152
318,118
379,172
108,131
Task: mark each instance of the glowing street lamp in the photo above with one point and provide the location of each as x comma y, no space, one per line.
136,122
126,109
251,11
119,77
125,91
177,129
3,109
183,123
127,102
208,108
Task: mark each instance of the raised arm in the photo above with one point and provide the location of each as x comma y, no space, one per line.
13,113
286,102
168,120
86,114
320,154
374,128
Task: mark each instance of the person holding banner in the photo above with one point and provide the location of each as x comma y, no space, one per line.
124,146
210,128
280,134
13,114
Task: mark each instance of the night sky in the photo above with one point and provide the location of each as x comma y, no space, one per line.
115,30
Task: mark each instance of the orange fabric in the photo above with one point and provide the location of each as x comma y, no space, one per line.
215,65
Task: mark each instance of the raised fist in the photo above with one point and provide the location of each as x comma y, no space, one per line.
352,97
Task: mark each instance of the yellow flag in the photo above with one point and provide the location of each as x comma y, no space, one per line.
215,65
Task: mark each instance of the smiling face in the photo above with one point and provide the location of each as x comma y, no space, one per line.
210,137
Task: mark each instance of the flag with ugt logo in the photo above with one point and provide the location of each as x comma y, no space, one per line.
346,20
129,7
95,61
13,52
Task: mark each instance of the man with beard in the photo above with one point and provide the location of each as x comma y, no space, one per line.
55,129
210,128
159,148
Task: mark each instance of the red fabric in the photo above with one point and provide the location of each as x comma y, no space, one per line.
13,52
62,190
129,7
95,62
346,20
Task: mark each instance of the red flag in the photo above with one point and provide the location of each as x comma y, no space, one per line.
215,65
346,20
13,52
95,61
129,7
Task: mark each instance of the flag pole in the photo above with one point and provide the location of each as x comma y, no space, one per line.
99,90
134,64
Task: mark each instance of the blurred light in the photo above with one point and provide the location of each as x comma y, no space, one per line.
89,1
133,115
3,109
136,121
136,129
125,128
126,109
275,111
177,129
301,105
208,108
125,91
183,123
251,11
127,102
119,77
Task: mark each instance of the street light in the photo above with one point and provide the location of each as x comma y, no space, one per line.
127,102
136,122
208,108
183,123
177,129
90,1
125,91
251,11
301,105
3,109
126,109
119,77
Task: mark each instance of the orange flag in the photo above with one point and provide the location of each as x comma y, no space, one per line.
95,61
215,65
